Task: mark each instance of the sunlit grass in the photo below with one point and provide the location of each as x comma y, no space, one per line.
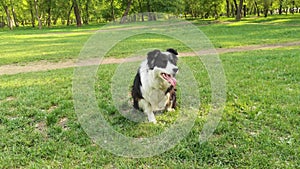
289,19
36,47
238,34
61,43
38,122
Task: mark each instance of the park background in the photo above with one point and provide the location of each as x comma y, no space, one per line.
258,43
66,12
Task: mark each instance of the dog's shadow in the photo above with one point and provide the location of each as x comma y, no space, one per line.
127,110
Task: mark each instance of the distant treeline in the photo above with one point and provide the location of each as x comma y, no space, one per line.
14,13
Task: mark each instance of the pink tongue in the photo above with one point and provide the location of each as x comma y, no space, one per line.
171,80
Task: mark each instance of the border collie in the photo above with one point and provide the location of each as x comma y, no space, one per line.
154,87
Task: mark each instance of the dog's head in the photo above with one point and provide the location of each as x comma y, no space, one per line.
164,65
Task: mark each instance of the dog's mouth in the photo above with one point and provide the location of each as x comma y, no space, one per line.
169,78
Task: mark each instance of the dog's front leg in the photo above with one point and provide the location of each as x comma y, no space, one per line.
151,117
148,110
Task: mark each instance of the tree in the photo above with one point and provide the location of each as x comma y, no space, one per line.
49,8
69,14
227,8
36,7
58,8
141,9
239,10
266,5
31,8
77,13
297,5
112,6
86,14
8,17
14,14
123,19
204,8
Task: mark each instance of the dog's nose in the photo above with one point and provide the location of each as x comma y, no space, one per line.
175,70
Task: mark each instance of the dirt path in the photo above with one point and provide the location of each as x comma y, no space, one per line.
44,65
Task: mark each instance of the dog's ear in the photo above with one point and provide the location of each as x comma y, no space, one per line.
151,58
172,51
174,57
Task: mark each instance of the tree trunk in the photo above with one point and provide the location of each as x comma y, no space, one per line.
151,15
245,10
134,18
266,13
293,7
37,13
141,10
216,15
280,7
271,10
266,8
112,10
236,7
49,14
149,11
77,14
14,14
55,20
69,15
257,9
87,15
2,23
233,12
31,13
239,11
227,8
123,19
9,20
253,10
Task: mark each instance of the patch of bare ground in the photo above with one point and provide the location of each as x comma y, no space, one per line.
41,127
63,123
44,66
8,99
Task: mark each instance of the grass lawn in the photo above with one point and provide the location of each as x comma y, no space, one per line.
57,44
259,127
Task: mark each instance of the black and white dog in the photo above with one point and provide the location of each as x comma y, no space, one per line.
154,85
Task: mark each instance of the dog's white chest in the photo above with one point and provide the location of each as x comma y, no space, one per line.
156,98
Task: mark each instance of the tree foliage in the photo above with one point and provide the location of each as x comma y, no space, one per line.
14,13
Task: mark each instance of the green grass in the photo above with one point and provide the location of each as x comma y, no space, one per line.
22,48
240,34
25,45
259,127
290,20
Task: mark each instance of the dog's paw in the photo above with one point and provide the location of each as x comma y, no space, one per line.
153,121
151,118
170,109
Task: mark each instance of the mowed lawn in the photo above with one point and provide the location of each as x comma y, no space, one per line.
58,44
259,126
